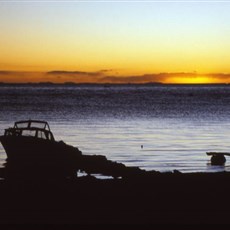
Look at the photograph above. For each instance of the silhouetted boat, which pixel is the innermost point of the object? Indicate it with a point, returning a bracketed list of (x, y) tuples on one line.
[(33, 140), (32, 150)]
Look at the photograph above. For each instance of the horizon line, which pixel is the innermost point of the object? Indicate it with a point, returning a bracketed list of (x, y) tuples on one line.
[(106, 83)]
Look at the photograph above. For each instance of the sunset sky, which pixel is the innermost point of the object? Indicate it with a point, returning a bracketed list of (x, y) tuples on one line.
[(120, 42)]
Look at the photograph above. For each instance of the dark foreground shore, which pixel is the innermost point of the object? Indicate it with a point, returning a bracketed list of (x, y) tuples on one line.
[(162, 198)]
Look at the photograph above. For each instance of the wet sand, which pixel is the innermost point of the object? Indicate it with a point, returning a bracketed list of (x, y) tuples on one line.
[(160, 198)]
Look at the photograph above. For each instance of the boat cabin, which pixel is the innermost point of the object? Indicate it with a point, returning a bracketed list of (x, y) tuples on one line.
[(31, 128)]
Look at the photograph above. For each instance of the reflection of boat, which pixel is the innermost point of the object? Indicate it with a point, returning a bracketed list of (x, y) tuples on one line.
[(32, 139)]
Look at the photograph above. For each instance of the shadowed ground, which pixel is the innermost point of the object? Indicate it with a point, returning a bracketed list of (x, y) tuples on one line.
[(47, 191), (172, 198)]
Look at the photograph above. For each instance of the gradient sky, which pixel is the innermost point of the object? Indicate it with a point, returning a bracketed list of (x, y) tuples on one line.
[(115, 39)]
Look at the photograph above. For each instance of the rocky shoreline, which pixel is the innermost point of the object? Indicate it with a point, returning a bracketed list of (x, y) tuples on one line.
[(42, 193)]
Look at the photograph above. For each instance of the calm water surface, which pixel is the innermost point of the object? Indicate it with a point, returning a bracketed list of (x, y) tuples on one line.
[(176, 125)]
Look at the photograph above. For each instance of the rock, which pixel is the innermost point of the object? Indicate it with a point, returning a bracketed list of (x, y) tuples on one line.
[(218, 159)]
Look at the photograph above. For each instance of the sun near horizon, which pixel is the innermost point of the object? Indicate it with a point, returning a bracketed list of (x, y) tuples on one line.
[(115, 42)]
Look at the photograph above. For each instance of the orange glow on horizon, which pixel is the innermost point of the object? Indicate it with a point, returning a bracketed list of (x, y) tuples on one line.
[(192, 80), (110, 76)]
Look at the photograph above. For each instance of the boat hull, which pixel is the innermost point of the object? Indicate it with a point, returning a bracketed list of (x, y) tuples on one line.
[(29, 152), (34, 148)]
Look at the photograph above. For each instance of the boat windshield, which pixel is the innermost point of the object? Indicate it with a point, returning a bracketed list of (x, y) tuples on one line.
[(31, 128), (33, 132), (32, 124)]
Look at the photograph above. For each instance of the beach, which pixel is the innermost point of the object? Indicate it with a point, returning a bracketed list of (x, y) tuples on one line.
[(163, 198)]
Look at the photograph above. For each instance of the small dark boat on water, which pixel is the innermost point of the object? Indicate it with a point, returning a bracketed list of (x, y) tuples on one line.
[(218, 158)]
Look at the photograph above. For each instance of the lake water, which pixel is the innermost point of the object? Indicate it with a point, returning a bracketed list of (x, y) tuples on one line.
[(176, 125)]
